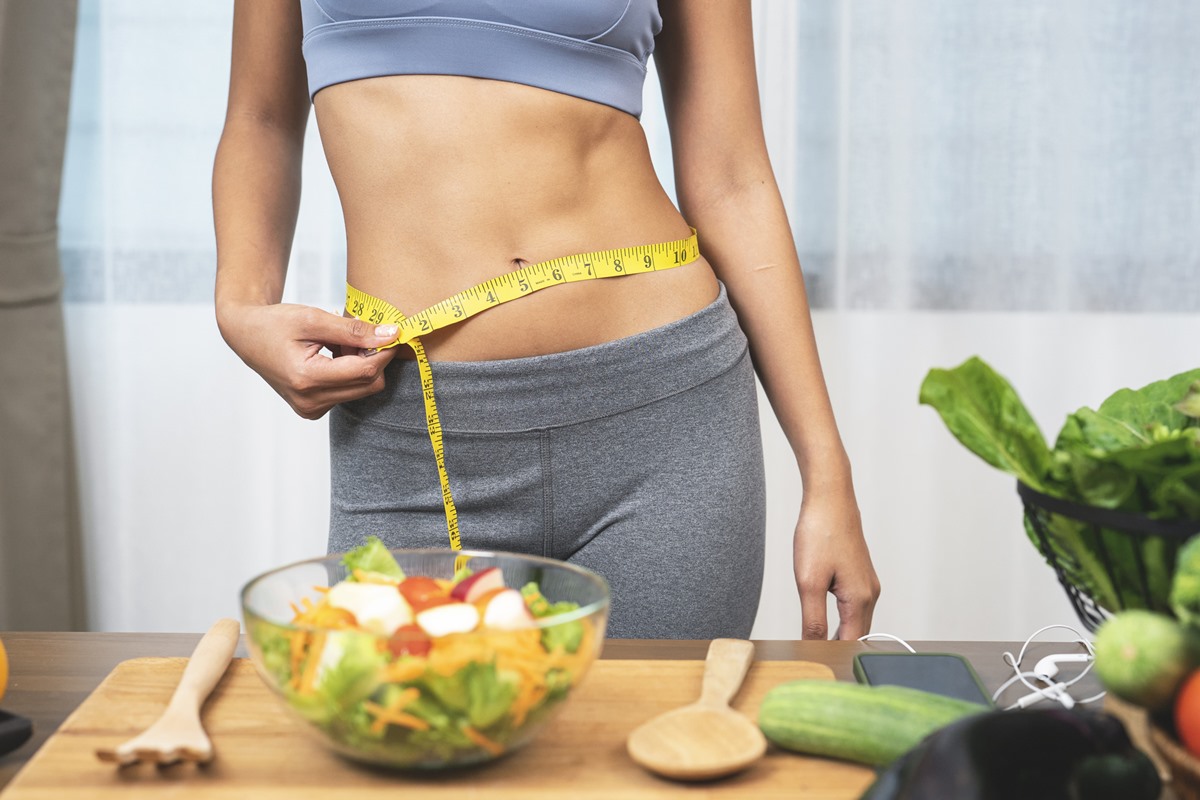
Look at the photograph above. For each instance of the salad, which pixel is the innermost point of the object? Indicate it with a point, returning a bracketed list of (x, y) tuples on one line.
[(418, 671)]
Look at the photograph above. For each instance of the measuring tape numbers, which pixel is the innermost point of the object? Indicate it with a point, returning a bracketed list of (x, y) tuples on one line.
[(503, 289)]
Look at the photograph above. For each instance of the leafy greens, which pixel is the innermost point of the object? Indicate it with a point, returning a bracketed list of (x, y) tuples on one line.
[(1138, 452)]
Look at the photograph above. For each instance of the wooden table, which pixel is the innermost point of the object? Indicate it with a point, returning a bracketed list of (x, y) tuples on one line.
[(52, 673)]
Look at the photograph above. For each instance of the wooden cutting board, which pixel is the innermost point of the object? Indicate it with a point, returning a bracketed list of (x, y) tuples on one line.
[(263, 752)]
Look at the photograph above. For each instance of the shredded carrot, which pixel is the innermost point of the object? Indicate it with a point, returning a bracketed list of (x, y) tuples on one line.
[(310, 666), (404, 670), (321, 589), (323, 615), (405, 697), (296, 643), (408, 721), (392, 715), (520, 705), (528, 640), (527, 661), (452, 653), (495, 748), (331, 617), (529, 695)]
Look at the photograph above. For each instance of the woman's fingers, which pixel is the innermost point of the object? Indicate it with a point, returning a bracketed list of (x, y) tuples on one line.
[(283, 344), (350, 333), (830, 556), (855, 611), (813, 614), (324, 382)]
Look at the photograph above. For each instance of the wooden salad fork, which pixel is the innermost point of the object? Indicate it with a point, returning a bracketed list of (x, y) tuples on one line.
[(178, 734)]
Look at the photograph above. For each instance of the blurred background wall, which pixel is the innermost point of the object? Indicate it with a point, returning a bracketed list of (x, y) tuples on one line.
[(1019, 181)]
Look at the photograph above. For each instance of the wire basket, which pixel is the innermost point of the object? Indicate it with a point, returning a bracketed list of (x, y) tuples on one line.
[(1106, 560), (1185, 767)]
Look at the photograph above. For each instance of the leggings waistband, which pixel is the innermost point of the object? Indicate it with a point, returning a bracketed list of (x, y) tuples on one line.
[(537, 392)]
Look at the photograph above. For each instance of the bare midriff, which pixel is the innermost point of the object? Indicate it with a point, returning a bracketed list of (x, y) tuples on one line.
[(448, 181)]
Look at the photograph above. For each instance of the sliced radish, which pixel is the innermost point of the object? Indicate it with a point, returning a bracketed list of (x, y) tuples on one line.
[(484, 598), (449, 618), (507, 612), (379, 608), (471, 587)]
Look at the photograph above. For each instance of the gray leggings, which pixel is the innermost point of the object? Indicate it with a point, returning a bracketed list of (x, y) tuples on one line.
[(640, 459)]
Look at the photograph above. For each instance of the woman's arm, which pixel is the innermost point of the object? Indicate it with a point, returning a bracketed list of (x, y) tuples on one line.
[(256, 195), (727, 190)]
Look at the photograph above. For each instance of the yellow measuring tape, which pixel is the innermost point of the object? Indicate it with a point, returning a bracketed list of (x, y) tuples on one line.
[(510, 286)]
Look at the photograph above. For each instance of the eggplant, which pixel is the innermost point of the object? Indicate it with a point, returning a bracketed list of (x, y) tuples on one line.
[(1031, 754), (15, 730)]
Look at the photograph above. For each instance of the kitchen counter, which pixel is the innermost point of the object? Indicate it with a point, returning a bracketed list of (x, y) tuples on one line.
[(52, 673)]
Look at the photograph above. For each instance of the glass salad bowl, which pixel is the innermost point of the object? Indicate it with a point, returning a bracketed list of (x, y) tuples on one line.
[(399, 659)]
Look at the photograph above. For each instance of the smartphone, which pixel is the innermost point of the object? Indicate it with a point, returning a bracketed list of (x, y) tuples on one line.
[(942, 673), (15, 730)]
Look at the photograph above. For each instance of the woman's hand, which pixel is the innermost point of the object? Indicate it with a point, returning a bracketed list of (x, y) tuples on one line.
[(283, 343), (830, 555)]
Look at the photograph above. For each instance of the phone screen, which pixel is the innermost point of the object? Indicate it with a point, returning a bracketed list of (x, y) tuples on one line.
[(942, 673)]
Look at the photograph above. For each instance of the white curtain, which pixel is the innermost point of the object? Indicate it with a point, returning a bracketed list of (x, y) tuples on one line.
[(1019, 181)]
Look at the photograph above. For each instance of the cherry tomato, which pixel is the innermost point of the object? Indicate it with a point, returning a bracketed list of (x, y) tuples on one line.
[(409, 640), (422, 593), (1187, 713)]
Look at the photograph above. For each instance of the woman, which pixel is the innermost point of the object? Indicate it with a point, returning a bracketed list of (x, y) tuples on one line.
[(608, 422)]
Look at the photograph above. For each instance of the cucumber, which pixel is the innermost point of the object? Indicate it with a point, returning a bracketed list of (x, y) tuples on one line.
[(1143, 657), (867, 724)]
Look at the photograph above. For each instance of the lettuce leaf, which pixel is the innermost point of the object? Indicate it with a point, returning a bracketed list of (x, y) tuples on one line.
[(1138, 452), (985, 413), (273, 642), (1154, 404), (1189, 406), (567, 635), (478, 690), (350, 670), (1153, 471), (373, 556)]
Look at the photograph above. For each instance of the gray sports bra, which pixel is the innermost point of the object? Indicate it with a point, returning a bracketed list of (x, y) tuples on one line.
[(594, 49)]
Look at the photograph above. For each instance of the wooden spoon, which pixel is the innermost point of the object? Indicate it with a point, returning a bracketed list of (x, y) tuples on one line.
[(706, 739)]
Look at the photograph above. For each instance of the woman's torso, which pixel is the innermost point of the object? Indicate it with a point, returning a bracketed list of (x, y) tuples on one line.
[(447, 181)]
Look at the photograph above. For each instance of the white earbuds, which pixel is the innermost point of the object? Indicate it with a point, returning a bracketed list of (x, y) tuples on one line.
[(1046, 671), (1057, 691), (1047, 668)]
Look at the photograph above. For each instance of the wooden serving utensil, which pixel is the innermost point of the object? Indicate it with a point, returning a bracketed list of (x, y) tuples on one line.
[(178, 734), (705, 739)]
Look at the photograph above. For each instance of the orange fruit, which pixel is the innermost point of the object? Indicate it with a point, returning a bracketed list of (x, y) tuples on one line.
[(3, 670), (1187, 713)]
